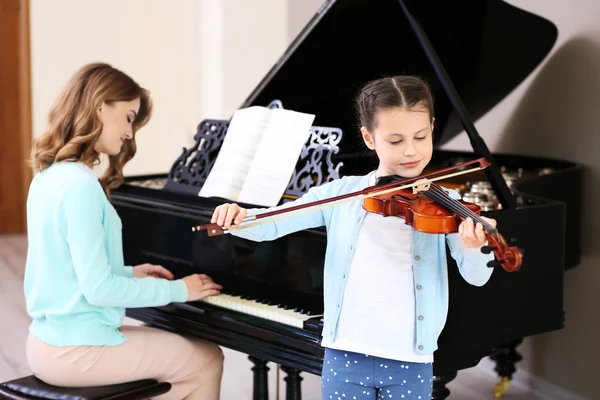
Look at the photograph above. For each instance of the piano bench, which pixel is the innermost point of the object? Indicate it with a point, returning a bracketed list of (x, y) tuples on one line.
[(31, 388)]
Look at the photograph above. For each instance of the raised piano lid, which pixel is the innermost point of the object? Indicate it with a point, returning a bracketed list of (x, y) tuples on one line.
[(487, 47)]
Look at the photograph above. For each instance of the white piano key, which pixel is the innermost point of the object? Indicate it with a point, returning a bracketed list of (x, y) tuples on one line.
[(264, 311)]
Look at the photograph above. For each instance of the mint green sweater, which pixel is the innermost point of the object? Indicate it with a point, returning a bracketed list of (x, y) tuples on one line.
[(76, 285)]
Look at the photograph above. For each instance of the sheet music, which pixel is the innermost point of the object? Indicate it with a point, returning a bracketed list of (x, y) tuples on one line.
[(243, 137), (276, 156)]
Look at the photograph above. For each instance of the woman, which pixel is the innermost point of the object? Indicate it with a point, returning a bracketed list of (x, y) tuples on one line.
[(76, 285)]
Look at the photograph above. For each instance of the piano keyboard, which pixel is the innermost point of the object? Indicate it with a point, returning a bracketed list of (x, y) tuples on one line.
[(260, 310)]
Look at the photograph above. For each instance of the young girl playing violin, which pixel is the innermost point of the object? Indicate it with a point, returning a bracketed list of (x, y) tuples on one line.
[(386, 284)]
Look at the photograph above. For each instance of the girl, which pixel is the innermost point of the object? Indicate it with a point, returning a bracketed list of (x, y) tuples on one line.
[(386, 285), (76, 286)]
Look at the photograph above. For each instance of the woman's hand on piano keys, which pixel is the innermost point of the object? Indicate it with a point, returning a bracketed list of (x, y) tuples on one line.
[(226, 214), (201, 286)]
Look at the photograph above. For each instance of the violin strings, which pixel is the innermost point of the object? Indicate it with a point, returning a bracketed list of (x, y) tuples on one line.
[(467, 213), (459, 208), (437, 194)]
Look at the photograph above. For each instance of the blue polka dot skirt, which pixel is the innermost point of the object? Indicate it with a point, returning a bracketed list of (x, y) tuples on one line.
[(353, 376)]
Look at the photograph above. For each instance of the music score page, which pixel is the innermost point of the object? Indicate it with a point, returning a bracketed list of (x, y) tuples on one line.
[(258, 155)]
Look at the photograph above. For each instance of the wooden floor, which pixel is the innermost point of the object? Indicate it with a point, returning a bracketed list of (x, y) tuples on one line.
[(472, 384)]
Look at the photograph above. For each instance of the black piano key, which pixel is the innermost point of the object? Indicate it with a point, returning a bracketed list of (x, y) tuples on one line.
[(314, 324)]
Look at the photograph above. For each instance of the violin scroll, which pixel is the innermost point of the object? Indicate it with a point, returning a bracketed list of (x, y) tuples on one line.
[(510, 258)]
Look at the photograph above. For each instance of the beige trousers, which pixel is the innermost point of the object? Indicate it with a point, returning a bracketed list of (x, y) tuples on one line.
[(193, 367)]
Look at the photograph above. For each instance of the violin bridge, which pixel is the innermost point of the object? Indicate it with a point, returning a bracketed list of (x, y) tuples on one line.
[(421, 185)]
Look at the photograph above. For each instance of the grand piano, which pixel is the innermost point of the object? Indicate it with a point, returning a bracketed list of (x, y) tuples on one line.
[(473, 53)]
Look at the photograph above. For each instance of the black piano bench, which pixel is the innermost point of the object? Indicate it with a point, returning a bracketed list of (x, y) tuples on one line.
[(31, 388)]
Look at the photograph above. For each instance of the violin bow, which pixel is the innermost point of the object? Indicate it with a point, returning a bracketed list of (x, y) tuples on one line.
[(371, 191)]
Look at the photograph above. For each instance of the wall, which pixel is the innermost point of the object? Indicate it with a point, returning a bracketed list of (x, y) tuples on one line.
[(299, 14), (147, 39), (199, 58)]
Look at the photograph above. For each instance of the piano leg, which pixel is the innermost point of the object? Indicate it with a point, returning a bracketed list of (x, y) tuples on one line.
[(293, 379), (440, 391), (505, 357), (261, 383)]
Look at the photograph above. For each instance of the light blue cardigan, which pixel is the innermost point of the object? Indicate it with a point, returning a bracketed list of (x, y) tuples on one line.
[(76, 286)]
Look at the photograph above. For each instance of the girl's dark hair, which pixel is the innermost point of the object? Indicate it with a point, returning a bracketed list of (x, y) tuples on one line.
[(407, 91)]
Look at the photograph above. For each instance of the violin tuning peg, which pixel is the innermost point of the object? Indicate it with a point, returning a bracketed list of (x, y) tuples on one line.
[(494, 263), (512, 240), (522, 250), (487, 249)]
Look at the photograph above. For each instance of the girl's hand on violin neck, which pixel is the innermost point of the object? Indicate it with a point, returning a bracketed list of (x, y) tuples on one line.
[(227, 214), (472, 234)]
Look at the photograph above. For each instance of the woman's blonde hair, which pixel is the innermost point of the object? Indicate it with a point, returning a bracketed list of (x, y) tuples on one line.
[(74, 125)]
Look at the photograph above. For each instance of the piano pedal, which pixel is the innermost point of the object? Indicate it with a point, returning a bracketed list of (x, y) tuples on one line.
[(501, 387)]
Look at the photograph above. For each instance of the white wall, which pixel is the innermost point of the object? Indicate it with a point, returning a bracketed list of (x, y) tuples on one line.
[(299, 13), (199, 58), (146, 40)]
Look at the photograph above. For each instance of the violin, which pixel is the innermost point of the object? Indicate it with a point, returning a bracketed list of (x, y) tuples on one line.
[(423, 205), (428, 208)]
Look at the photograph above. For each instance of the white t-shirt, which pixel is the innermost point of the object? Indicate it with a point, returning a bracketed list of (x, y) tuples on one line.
[(378, 310)]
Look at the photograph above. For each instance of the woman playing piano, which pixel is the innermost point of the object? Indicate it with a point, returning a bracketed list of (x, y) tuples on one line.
[(76, 285), (386, 285)]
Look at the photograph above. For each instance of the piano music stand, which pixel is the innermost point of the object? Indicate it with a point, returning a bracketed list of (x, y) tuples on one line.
[(315, 166)]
